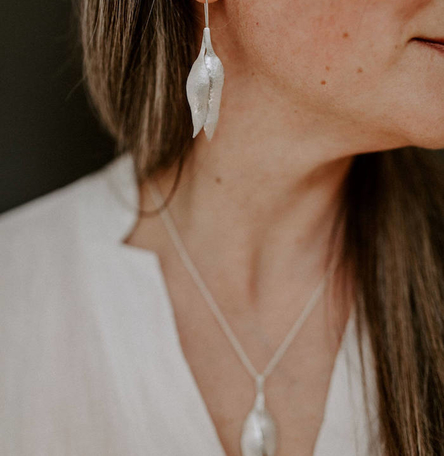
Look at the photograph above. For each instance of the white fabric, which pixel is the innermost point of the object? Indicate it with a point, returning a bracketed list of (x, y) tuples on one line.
[(90, 358)]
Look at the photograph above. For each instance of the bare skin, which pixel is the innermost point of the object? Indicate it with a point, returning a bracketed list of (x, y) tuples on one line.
[(309, 85)]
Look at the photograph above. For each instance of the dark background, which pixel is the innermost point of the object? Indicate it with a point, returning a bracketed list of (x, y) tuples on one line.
[(49, 134)]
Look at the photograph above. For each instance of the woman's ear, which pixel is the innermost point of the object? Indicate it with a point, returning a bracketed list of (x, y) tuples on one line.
[(209, 1)]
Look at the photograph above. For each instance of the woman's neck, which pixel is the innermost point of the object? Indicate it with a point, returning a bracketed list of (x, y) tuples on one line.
[(256, 205), (255, 229)]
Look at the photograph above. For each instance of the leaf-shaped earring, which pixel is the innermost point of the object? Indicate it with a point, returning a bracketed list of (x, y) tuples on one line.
[(198, 90), (204, 85)]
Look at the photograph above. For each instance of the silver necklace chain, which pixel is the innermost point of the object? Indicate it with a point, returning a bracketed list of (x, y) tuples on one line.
[(172, 230), (259, 431)]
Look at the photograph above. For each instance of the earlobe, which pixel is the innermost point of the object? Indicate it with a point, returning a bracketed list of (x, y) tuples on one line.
[(209, 1)]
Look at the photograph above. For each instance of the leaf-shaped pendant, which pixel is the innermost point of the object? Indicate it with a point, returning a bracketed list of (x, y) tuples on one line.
[(259, 430), (204, 88)]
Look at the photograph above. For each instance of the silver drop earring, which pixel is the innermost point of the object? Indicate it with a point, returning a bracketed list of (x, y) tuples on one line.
[(204, 85)]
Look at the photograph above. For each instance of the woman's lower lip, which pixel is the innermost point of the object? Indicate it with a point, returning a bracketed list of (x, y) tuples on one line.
[(438, 46)]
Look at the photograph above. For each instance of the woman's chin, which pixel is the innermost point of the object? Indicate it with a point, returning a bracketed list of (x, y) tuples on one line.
[(430, 139), (425, 133)]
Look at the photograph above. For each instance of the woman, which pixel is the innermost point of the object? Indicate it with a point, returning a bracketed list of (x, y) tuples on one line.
[(320, 167)]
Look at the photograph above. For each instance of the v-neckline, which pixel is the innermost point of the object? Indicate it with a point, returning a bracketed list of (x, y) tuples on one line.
[(185, 368), (122, 174)]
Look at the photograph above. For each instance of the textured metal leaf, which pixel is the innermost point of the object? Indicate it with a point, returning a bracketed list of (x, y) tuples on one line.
[(198, 90), (204, 88), (216, 73), (259, 431)]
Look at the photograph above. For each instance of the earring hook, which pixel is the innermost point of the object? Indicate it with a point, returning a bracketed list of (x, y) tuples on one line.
[(206, 14)]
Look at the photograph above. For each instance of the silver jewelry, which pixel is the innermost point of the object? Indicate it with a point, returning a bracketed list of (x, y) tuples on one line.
[(259, 433), (204, 85)]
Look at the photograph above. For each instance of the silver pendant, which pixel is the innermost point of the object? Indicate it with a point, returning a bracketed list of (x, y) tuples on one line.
[(259, 435), (204, 88)]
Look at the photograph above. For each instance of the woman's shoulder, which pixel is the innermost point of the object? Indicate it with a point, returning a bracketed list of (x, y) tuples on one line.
[(58, 209), (53, 227), (39, 218)]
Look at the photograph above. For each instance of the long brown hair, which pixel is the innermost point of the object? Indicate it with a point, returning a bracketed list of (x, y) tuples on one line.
[(137, 56)]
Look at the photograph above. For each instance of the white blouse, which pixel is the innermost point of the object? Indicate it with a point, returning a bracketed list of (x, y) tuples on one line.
[(90, 358)]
